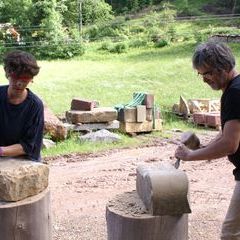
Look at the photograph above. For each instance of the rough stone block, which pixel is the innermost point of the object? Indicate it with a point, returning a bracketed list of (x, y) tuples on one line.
[(157, 113), (199, 118), (93, 126), (53, 126), (102, 114), (157, 125), (127, 115), (20, 178), (163, 189), (213, 119), (83, 105), (129, 127), (149, 114), (141, 113), (149, 100)]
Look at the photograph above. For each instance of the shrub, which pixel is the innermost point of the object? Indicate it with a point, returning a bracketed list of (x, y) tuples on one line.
[(161, 43), (138, 43), (58, 50), (137, 29), (106, 46), (119, 48)]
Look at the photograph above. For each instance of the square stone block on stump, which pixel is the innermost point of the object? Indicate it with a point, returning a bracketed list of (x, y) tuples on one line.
[(20, 179)]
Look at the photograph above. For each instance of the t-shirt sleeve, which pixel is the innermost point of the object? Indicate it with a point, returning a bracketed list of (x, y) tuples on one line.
[(33, 133), (233, 105)]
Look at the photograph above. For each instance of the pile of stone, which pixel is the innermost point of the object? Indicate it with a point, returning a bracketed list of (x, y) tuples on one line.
[(86, 115), (144, 117), (201, 111)]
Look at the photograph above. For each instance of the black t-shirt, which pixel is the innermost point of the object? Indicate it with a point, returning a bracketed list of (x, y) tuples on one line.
[(230, 110), (22, 123)]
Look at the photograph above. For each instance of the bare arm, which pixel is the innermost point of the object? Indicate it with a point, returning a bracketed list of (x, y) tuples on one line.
[(12, 150), (217, 137), (226, 144)]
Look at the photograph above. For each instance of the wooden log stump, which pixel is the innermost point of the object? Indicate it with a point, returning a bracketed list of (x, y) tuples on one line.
[(128, 219), (28, 219)]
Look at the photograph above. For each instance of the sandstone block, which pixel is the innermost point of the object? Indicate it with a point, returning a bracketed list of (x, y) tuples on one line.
[(149, 114), (83, 105), (135, 127), (149, 100), (141, 113), (53, 126), (157, 125), (20, 178), (92, 126), (199, 118), (102, 114), (127, 115), (213, 119), (157, 113), (163, 189)]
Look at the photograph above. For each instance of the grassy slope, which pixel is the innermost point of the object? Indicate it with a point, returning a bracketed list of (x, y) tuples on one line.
[(112, 79)]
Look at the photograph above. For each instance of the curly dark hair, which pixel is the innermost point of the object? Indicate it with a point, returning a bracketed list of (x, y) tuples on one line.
[(20, 63), (215, 55)]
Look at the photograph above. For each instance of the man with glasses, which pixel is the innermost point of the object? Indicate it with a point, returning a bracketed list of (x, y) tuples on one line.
[(216, 64), (21, 111)]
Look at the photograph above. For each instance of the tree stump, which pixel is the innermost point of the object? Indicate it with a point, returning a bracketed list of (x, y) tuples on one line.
[(128, 219), (28, 219)]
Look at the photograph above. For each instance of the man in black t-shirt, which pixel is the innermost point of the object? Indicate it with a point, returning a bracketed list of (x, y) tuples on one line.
[(215, 63), (21, 111)]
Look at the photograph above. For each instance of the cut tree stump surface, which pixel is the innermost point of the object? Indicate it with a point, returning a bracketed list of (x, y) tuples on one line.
[(128, 219)]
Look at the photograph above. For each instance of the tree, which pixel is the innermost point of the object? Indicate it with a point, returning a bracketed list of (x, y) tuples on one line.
[(96, 11), (133, 5), (92, 11)]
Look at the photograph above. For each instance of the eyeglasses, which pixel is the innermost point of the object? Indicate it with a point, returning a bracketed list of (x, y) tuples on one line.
[(206, 74)]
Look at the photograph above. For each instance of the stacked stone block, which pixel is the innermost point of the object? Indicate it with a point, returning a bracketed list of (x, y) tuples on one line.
[(209, 119), (86, 115), (142, 118)]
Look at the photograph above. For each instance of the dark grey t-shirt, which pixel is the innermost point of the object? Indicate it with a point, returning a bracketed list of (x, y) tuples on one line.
[(230, 110), (22, 123)]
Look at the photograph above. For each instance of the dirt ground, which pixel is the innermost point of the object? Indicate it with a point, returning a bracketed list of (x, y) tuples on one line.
[(81, 186)]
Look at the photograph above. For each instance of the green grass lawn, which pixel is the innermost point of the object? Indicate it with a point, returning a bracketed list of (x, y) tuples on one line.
[(112, 78)]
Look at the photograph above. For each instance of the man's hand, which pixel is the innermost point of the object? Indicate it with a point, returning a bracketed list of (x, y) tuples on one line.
[(183, 153)]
